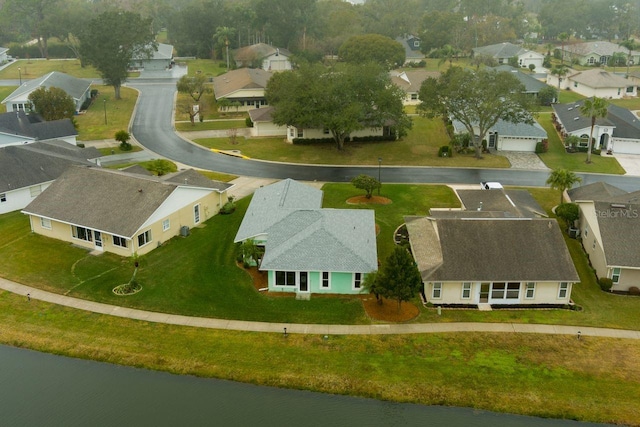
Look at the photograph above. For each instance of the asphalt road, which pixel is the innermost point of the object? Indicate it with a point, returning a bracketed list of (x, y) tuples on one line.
[(153, 128)]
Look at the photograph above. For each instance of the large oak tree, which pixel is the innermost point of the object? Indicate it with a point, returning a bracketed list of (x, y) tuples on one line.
[(477, 99), (372, 48), (112, 40), (343, 99)]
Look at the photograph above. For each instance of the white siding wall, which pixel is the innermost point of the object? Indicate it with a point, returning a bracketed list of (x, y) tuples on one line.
[(268, 129), (20, 198)]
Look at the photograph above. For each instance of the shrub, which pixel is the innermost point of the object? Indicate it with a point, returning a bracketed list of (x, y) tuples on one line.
[(366, 183), (94, 93), (444, 151), (229, 207), (248, 122), (634, 290), (569, 212), (542, 146), (605, 283)]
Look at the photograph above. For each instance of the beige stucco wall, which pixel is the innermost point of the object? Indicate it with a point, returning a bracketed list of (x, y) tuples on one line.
[(628, 277), (590, 233), (545, 293)]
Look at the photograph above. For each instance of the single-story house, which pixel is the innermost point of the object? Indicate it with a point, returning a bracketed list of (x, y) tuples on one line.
[(610, 232), (245, 86), (412, 50), (308, 249), (27, 170), (410, 82), (4, 55), (161, 59), (597, 52), (618, 132), (19, 127), (506, 136), (262, 55), (123, 213), (78, 89), (263, 126), (531, 84), (294, 132), (596, 82), (502, 52)]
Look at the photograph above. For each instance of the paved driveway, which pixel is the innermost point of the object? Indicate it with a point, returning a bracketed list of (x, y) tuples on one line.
[(630, 163)]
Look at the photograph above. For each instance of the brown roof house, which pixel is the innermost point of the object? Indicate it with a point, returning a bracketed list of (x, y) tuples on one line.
[(123, 213), (410, 82), (244, 86), (596, 82), (498, 251), (610, 232), (262, 55)]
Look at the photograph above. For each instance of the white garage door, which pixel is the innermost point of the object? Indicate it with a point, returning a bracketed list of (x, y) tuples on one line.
[(516, 144), (626, 146)]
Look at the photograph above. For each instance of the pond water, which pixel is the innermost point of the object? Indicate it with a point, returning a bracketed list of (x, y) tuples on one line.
[(38, 389)]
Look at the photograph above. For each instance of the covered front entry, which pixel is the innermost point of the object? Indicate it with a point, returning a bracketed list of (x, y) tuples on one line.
[(97, 240), (303, 285)]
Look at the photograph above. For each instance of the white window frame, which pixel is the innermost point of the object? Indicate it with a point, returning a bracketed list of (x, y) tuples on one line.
[(196, 214), (466, 289), (45, 223), (436, 290), (357, 281), (615, 277), (146, 237), (166, 224), (324, 280), (563, 290), (118, 241), (3, 197), (87, 232), (530, 290)]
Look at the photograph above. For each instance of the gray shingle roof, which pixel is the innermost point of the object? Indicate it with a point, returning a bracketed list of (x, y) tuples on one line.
[(33, 126), (500, 50), (30, 164), (264, 114), (598, 47), (191, 178), (111, 201), (73, 86), (570, 117), (600, 191), (600, 79), (341, 240), (257, 51), (531, 84), (493, 250), (620, 230), (272, 203), (505, 128)]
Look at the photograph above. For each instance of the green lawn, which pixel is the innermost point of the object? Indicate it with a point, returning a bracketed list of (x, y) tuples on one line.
[(211, 125), (117, 150), (91, 125), (418, 148), (557, 157), (34, 68), (4, 92)]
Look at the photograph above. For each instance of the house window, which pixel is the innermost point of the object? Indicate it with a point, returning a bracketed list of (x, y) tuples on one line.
[(466, 290), (45, 223), (414, 96), (513, 290), (300, 133), (357, 280), (196, 214), (436, 290), (416, 43), (3, 197), (326, 284), (575, 84), (166, 224), (291, 132), (35, 190), (497, 290), (629, 89), (82, 233), (285, 278), (563, 290), (119, 241), (615, 275), (591, 60), (586, 231), (594, 244), (530, 291), (325, 131), (144, 238)]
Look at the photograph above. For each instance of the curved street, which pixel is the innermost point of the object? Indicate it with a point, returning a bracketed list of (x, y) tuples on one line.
[(153, 128)]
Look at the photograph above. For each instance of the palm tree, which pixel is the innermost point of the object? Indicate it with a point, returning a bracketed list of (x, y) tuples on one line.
[(221, 37), (563, 37), (560, 71), (562, 179), (631, 45), (447, 53), (616, 59), (595, 108)]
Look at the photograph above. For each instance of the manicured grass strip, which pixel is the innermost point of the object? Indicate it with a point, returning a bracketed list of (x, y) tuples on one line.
[(91, 125), (539, 375), (211, 125), (557, 157), (34, 68), (418, 148), (107, 151)]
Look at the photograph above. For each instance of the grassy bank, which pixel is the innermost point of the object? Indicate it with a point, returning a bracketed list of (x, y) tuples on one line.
[(106, 115), (539, 375)]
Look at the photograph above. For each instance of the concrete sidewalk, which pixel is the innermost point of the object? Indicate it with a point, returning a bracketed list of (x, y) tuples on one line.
[(297, 328)]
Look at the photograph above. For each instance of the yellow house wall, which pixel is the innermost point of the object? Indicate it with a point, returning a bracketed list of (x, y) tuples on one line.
[(545, 293)]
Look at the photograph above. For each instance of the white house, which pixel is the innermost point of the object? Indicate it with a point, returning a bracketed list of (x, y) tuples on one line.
[(161, 59), (78, 89), (21, 128), (410, 82), (506, 136), (598, 52), (4, 55), (502, 52), (263, 125), (244, 86), (600, 83), (264, 56)]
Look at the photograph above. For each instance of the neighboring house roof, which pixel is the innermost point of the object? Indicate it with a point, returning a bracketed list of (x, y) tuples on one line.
[(73, 86), (192, 178), (627, 123), (600, 48), (411, 80), (30, 164), (411, 51), (504, 128), (323, 240), (34, 127), (102, 199), (137, 170), (620, 230), (242, 78), (264, 114), (500, 50), (531, 84), (505, 203), (258, 51), (600, 79), (594, 191), (3, 50), (162, 52), (272, 203), (570, 117), (502, 250)]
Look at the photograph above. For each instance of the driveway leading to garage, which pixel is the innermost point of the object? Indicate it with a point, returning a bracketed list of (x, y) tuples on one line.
[(524, 160), (629, 162)]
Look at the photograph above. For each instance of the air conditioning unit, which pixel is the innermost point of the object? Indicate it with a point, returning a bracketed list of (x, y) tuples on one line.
[(574, 233), (184, 231)]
